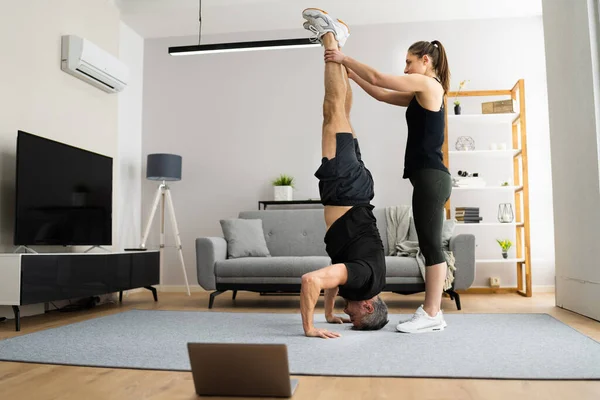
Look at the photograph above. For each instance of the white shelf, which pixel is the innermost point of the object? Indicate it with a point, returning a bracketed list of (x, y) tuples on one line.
[(512, 152), (511, 224), (499, 260), (484, 118), (515, 188)]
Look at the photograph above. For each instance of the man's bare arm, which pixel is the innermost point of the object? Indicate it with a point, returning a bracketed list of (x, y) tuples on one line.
[(330, 295), (312, 284)]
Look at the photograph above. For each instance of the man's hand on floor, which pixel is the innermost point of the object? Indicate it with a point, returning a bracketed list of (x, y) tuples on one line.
[(322, 333)]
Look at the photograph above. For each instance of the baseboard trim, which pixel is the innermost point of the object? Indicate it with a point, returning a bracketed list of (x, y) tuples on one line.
[(179, 289), (487, 290), (544, 289), (473, 289), (504, 290)]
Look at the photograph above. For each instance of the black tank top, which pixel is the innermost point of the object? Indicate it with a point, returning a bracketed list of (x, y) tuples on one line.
[(425, 139)]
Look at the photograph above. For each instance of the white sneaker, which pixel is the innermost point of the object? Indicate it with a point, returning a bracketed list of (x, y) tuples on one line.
[(421, 322), (319, 22)]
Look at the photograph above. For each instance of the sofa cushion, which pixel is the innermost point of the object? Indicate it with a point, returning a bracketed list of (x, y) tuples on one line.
[(270, 267), (299, 232), (298, 266), (245, 238), (379, 214), (402, 267)]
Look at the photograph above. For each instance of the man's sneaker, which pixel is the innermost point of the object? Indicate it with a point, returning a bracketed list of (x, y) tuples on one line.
[(421, 322), (320, 23), (317, 36)]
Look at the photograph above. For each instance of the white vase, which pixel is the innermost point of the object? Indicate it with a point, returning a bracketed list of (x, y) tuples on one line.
[(282, 193)]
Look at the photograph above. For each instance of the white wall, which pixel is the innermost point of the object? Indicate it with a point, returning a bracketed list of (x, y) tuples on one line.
[(131, 52), (240, 119), (571, 30), (594, 21), (38, 97)]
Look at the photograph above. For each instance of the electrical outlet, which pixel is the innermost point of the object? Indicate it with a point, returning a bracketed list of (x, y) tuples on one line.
[(494, 281)]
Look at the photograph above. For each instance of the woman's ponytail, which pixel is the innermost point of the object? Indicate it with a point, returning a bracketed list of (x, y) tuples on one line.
[(441, 65)]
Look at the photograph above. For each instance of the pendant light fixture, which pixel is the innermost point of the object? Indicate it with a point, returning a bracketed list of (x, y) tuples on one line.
[(238, 46)]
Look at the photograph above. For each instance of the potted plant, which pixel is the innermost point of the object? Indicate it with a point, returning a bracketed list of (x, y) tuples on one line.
[(505, 244), (283, 186), (457, 108)]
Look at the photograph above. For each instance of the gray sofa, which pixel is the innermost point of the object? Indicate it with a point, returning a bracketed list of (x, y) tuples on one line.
[(294, 238)]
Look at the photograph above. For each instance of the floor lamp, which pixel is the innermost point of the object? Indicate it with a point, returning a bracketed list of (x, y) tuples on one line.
[(164, 167)]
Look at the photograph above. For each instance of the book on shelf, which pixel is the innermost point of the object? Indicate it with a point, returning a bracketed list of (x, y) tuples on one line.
[(467, 213), (469, 220)]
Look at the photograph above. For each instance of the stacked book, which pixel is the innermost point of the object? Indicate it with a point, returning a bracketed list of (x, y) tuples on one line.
[(467, 215)]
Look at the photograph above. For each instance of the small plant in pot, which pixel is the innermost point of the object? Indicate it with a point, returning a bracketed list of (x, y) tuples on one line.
[(457, 109), (282, 187), (505, 244)]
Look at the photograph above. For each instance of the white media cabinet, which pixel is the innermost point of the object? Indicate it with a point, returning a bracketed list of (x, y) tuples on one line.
[(44, 277)]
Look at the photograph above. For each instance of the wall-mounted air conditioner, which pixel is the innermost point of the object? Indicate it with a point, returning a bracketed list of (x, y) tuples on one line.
[(88, 62)]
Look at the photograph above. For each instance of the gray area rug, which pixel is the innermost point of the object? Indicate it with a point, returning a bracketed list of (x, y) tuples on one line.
[(494, 346)]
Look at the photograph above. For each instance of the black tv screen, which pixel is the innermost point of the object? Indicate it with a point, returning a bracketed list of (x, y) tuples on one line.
[(63, 194)]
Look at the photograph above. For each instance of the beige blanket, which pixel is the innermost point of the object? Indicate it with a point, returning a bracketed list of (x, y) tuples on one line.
[(399, 219)]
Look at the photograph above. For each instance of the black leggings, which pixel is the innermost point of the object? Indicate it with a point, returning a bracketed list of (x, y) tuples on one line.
[(432, 188)]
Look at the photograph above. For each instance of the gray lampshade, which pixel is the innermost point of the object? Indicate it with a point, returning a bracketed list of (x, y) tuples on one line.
[(164, 167)]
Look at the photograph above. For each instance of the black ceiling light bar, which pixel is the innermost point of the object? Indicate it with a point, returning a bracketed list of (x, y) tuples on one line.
[(238, 46), (241, 46)]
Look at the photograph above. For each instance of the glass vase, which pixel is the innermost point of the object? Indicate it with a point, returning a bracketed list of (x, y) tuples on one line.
[(505, 213)]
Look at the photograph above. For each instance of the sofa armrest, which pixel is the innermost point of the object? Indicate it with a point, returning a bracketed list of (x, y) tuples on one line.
[(463, 248), (209, 250)]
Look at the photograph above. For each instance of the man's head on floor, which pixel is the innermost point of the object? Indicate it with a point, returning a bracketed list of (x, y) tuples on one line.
[(367, 315)]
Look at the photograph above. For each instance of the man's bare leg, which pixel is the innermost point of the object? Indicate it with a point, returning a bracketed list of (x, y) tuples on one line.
[(334, 116), (334, 111), (348, 101)]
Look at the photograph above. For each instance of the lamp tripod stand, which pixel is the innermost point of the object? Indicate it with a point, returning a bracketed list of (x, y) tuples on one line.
[(163, 196)]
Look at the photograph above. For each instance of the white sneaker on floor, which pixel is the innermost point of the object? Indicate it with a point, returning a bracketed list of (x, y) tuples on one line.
[(421, 322), (319, 22)]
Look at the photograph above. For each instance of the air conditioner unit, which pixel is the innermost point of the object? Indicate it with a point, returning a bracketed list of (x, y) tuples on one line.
[(88, 62)]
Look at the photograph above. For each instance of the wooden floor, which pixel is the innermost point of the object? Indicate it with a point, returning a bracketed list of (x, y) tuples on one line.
[(36, 381)]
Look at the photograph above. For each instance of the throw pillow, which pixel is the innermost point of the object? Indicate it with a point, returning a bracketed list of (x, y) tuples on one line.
[(447, 232), (245, 238)]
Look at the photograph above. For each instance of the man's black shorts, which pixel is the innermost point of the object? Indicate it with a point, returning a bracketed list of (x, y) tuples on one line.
[(344, 180)]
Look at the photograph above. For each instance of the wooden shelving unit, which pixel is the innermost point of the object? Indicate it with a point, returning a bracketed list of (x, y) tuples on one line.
[(520, 172)]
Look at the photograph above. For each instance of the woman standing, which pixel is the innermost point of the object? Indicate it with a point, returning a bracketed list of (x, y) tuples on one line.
[(421, 90)]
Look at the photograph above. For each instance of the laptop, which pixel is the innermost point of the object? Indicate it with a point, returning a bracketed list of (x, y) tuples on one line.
[(237, 369)]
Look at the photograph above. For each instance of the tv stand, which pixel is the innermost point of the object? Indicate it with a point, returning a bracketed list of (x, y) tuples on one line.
[(44, 277), (150, 288), (27, 249), (100, 247)]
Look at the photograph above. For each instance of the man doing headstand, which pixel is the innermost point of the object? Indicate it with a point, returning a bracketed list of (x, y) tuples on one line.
[(346, 187)]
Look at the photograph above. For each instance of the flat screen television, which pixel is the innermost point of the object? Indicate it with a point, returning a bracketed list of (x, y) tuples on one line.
[(63, 194)]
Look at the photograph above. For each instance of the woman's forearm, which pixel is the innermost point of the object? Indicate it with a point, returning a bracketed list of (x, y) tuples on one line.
[(365, 72), (374, 91)]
